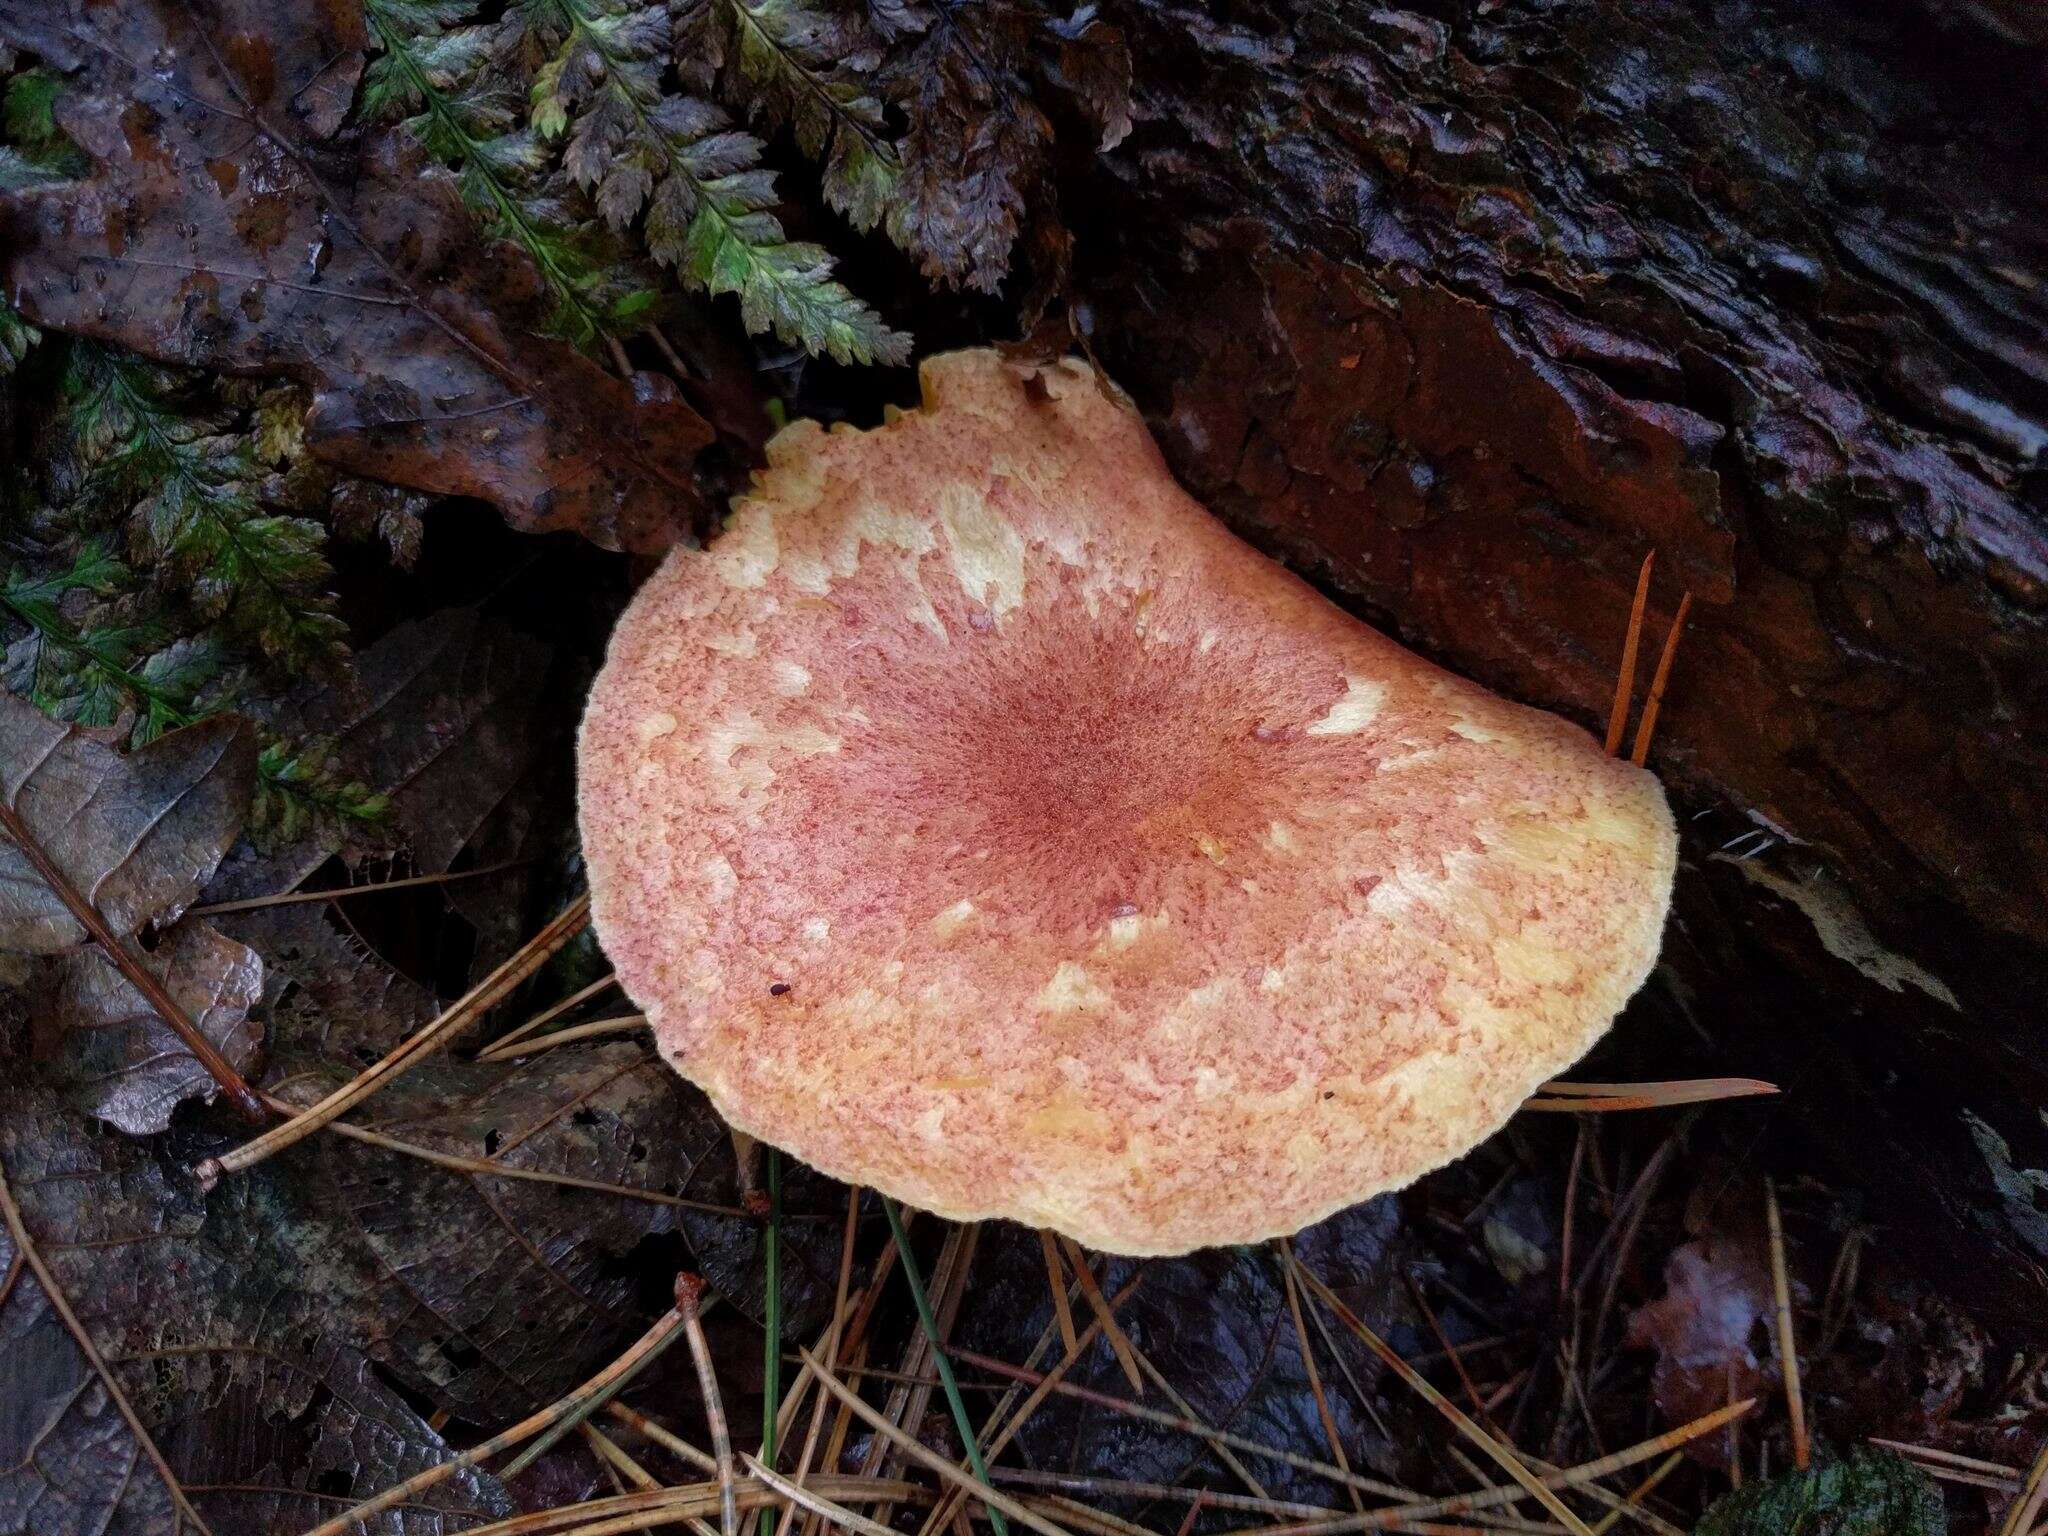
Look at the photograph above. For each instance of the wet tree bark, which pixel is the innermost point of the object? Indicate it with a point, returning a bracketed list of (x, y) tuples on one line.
[(1464, 307)]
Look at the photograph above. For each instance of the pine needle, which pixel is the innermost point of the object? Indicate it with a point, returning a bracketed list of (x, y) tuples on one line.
[(1625, 681), (2019, 1518), (338, 893), (1600, 1098), (1056, 1281), (1186, 1426), (596, 1029), (978, 1487), (771, 1324), (1111, 1329), (487, 994), (1646, 729), (689, 1298), (1315, 1376), (597, 1390), (1506, 1459), (554, 1011), (1788, 1345)]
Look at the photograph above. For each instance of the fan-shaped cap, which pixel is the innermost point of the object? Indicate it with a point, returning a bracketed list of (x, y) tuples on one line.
[(978, 819)]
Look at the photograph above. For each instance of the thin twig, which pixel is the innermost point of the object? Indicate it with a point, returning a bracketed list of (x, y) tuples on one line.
[(689, 1298), (1788, 1344), (130, 965), (25, 1252), (492, 990), (1625, 681)]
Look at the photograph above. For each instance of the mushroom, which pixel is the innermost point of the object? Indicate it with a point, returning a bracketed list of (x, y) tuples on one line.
[(980, 820)]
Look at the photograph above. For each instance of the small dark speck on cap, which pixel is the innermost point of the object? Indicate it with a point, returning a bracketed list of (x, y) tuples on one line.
[(780, 989)]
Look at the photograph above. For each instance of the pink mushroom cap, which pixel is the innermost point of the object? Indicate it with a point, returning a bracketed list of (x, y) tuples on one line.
[(980, 820)]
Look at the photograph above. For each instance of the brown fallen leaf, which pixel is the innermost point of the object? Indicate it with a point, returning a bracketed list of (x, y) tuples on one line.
[(488, 1294), (136, 835), (1717, 1293), (228, 226), (233, 1328), (103, 1044)]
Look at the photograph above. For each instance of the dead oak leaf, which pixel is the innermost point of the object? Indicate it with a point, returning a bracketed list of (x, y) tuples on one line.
[(136, 834), (218, 1318), (226, 226), (104, 1045), (487, 1293), (1717, 1294)]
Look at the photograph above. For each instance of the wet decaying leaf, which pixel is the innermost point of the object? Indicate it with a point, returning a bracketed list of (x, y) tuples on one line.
[(106, 1048), (441, 718), (137, 834), (227, 225), (223, 1323), (68, 1460), (1705, 1328), (488, 1295), (729, 1250)]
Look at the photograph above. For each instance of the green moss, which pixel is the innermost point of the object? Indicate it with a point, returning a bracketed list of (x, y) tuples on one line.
[(1867, 1493)]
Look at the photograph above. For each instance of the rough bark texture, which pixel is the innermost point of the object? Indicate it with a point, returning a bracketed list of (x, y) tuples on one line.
[(1465, 307)]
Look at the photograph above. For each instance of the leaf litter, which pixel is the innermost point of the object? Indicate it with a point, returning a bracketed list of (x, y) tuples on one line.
[(481, 1237)]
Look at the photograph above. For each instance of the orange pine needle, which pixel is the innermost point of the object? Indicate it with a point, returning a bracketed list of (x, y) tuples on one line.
[(1648, 728), (1788, 1345), (1110, 1328), (1625, 684), (1056, 1279), (1595, 1098)]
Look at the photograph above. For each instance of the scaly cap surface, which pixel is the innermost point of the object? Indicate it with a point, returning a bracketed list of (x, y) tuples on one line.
[(980, 820)]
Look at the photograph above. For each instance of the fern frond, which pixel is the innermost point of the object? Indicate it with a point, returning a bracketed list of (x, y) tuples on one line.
[(679, 161), (299, 786), (196, 515), (801, 65), (435, 73)]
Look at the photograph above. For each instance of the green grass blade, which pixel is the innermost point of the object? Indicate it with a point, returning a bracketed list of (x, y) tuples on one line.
[(945, 1366)]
